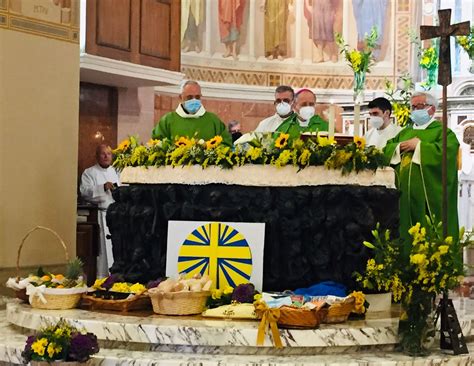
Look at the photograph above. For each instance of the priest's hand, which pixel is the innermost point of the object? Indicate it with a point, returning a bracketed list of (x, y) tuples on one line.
[(409, 145), (108, 186)]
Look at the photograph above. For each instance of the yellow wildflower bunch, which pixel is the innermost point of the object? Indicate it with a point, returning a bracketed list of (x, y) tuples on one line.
[(355, 58)]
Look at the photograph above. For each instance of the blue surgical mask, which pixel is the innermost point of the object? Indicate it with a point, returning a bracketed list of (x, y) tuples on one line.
[(192, 105), (420, 117)]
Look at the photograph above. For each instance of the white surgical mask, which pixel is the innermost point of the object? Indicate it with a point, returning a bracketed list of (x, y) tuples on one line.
[(283, 109), (376, 121), (306, 112)]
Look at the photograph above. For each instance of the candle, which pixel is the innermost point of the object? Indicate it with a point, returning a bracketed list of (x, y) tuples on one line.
[(357, 119), (332, 121)]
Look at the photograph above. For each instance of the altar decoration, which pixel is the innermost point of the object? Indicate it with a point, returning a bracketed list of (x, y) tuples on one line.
[(61, 344), (400, 98), (359, 60), (182, 296), (467, 44), (45, 290), (428, 60), (110, 293), (265, 149), (433, 265)]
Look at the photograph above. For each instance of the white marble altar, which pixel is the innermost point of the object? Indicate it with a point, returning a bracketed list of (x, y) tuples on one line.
[(158, 340)]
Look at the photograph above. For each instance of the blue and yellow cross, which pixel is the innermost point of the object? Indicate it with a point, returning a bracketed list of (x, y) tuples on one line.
[(218, 250)]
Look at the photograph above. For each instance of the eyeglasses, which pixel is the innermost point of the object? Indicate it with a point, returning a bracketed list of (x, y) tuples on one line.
[(286, 100), (420, 106)]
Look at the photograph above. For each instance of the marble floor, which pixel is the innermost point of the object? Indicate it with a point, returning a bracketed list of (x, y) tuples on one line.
[(154, 340)]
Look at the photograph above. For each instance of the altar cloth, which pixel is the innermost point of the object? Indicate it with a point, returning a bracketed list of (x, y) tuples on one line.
[(257, 176)]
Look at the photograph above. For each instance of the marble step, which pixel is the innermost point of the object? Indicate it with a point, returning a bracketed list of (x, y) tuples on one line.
[(12, 341)]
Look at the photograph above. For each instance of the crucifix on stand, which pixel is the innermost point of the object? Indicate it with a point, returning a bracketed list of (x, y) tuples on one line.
[(451, 334)]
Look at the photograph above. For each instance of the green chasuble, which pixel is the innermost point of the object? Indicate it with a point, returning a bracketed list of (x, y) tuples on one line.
[(172, 125), (292, 127), (420, 184)]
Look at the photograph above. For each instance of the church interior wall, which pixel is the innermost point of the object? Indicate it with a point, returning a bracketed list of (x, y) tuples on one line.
[(38, 153)]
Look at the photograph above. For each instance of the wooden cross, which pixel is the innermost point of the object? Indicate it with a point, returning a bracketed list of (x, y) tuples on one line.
[(445, 30)]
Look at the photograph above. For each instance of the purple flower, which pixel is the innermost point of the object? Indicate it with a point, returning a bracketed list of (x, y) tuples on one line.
[(82, 347), (244, 293), (154, 283), (109, 282), (27, 352)]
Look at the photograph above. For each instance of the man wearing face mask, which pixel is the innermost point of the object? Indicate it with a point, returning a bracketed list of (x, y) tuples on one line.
[(304, 118), (416, 155), (381, 128), (284, 96), (190, 119)]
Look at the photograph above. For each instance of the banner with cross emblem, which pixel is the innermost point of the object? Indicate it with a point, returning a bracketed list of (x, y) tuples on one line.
[(229, 253)]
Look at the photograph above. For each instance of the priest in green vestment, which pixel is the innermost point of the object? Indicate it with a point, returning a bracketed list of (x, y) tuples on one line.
[(416, 155), (190, 119), (304, 118)]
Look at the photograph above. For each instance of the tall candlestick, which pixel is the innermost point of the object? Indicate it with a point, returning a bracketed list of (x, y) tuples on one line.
[(357, 119), (332, 122)]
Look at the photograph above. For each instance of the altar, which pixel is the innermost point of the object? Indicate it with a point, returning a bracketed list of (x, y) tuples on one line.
[(315, 219)]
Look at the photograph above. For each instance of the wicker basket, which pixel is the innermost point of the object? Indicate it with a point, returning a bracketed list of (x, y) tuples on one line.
[(137, 302), (54, 300), (339, 312), (291, 317), (178, 303)]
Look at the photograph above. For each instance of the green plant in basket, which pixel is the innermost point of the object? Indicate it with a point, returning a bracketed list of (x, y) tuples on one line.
[(60, 341), (72, 277)]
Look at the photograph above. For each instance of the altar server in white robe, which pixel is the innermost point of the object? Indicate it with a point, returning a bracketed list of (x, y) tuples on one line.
[(97, 184), (381, 129)]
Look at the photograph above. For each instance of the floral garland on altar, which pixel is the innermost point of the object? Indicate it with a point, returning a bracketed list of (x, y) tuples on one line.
[(266, 149)]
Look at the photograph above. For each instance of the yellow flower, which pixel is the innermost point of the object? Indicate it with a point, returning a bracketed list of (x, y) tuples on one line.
[(282, 140), (214, 142), (120, 287), (254, 153), (325, 141), (123, 146), (443, 249), (183, 141), (98, 283), (137, 287), (414, 229), (355, 59), (417, 258), (53, 348), (216, 294), (448, 240), (304, 157), (39, 346), (359, 141), (152, 142), (257, 297), (228, 290)]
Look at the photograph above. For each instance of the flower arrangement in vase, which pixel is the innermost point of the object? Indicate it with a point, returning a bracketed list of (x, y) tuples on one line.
[(60, 343), (359, 60), (428, 61), (400, 98), (467, 44), (416, 272)]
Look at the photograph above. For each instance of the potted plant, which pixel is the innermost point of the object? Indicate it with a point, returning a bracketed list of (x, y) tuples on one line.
[(60, 344), (382, 277)]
